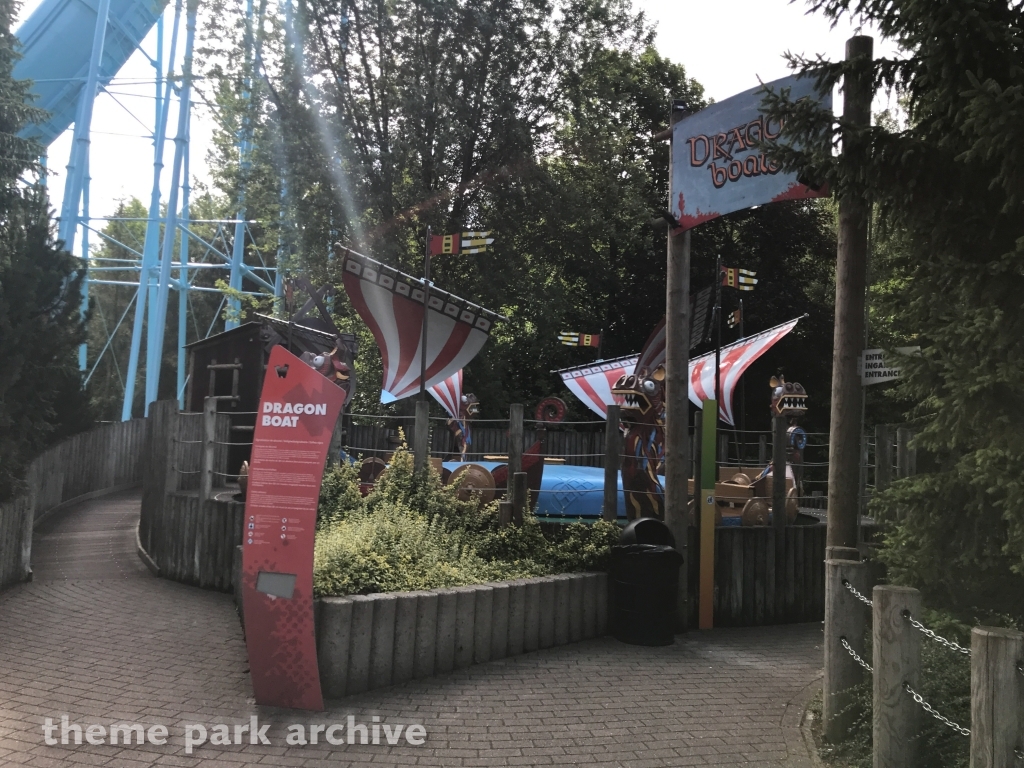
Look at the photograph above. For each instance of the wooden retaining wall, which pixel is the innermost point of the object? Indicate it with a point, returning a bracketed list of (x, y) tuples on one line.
[(200, 540), (106, 458)]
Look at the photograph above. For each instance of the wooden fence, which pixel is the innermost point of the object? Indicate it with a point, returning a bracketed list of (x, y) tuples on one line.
[(106, 458), (751, 588)]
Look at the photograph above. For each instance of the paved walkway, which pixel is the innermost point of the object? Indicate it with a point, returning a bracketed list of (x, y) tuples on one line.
[(97, 638)]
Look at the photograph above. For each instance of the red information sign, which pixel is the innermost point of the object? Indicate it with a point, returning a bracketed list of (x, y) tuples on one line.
[(297, 411)]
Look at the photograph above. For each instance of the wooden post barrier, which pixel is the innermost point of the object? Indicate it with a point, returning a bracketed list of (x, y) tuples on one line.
[(897, 663), (515, 442), (846, 618), (997, 698), (421, 436), (504, 513), (612, 464), (520, 497), (209, 449), (779, 438)]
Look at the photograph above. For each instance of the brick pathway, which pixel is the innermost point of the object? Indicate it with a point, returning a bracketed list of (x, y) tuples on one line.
[(97, 638)]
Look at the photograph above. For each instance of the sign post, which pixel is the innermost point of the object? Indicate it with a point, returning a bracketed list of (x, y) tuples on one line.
[(297, 412)]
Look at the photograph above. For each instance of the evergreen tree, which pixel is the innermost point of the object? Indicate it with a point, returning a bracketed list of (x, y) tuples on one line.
[(949, 191), (41, 399)]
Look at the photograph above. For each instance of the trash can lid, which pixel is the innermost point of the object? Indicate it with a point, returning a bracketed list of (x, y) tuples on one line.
[(647, 530)]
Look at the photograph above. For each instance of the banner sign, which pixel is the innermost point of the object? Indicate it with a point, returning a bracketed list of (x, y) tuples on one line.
[(297, 412), (716, 166), (879, 365)]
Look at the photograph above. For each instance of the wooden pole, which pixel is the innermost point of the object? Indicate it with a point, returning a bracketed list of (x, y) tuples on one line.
[(851, 283), (845, 618), (612, 464), (997, 698), (779, 437), (709, 438), (762, 450), (520, 497), (515, 442), (897, 661), (421, 435), (677, 406), (883, 457), (209, 448)]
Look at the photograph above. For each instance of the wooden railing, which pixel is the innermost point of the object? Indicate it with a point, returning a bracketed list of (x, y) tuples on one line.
[(104, 459)]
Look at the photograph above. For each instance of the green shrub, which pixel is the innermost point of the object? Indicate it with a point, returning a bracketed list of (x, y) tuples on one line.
[(412, 532)]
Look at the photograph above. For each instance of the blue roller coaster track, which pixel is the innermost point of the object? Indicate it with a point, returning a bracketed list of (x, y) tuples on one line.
[(71, 50)]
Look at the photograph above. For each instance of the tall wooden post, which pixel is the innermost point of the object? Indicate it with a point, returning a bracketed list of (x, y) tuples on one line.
[(897, 661), (779, 437), (515, 442), (851, 283), (612, 464), (209, 448), (997, 698), (520, 497), (706, 505), (845, 618), (421, 435)]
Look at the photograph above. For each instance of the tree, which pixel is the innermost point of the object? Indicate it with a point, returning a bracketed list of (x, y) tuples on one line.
[(40, 283), (948, 187)]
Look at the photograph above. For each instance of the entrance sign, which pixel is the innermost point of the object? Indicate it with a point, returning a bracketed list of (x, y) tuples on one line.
[(297, 412), (879, 365), (716, 166)]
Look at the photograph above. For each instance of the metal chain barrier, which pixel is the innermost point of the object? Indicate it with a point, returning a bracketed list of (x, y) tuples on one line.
[(856, 658), (857, 594), (937, 638), (934, 713)]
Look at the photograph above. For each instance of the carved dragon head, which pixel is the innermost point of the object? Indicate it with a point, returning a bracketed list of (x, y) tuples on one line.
[(469, 406), (643, 395), (788, 398)]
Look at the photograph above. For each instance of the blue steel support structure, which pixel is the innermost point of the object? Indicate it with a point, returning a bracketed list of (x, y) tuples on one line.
[(67, 70)]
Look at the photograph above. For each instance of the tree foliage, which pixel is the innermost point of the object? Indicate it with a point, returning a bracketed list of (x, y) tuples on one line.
[(533, 118), (948, 189), (40, 326)]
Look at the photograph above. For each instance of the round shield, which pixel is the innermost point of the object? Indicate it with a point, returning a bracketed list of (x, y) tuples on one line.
[(755, 512), (371, 469), (478, 482)]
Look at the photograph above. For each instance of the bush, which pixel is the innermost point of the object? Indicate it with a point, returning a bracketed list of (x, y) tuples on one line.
[(412, 532)]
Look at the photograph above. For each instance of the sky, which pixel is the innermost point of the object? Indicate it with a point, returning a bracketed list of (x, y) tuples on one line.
[(690, 32)]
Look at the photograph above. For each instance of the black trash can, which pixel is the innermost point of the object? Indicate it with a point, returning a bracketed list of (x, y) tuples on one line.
[(644, 578)]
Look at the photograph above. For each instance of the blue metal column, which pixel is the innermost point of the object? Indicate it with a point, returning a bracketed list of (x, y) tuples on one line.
[(149, 250), (83, 348), (244, 147), (186, 191), (83, 119), (159, 319)]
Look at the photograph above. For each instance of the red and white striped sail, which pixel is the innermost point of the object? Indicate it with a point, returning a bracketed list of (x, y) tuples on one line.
[(735, 359), (449, 393), (391, 304), (592, 383)]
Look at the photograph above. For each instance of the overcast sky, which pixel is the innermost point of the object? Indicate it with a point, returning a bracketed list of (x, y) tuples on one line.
[(726, 45)]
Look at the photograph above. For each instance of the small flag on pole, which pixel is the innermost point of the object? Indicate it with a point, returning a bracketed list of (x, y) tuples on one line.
[(570, 339), (476, 242), (734, 318), (460, 242), (741, 279)]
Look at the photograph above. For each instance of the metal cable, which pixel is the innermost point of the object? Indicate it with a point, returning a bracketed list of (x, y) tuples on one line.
[(933, 712)]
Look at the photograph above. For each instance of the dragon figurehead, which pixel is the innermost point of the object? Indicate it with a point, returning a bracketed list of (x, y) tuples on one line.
[(789, 399), (337, 365), (641, 396), (469, 407)]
